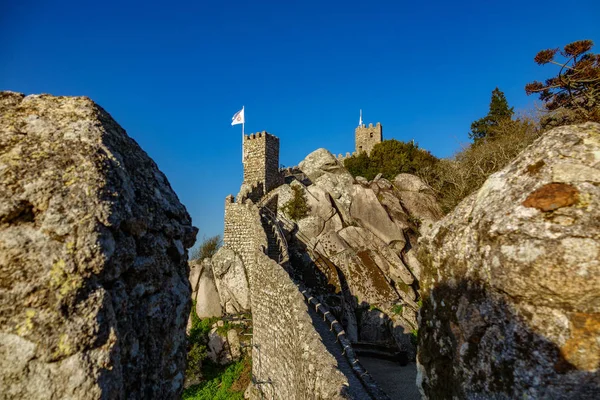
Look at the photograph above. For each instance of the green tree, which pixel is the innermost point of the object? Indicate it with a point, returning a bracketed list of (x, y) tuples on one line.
[(359, 165), (499, 111), (576, 88), (390, 158), (207, 248)]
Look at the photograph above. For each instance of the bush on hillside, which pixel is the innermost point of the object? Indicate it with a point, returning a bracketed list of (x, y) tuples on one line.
[(207, 248), (390, 158), (358, 165), (456, 178), (297, 208)]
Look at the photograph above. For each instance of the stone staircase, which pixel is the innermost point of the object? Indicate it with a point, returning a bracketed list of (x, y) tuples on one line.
[(366, 387)]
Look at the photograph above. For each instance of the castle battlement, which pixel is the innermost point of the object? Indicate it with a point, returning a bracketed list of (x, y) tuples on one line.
[(261, 163), (368, 136), (261, 135)]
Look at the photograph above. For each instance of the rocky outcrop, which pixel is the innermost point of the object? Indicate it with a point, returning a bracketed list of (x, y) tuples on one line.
[(223, 345), (94, 292), (511, 306), (361, 235), (231, 281), (418, 200)]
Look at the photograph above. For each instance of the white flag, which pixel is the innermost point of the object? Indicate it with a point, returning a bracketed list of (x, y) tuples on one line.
[(238, 118)]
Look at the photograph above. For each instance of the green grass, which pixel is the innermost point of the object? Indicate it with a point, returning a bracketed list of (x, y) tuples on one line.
[(218, 382), (222, 383)]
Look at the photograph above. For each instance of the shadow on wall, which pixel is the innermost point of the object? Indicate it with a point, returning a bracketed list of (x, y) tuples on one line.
[(362, 321), (475, 344)]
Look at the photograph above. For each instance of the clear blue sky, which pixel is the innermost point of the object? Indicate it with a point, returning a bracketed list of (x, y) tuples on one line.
[(173, 73)]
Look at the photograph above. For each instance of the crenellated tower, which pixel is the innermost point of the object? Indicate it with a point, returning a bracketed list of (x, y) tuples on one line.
[(261, 161), (367, 136)]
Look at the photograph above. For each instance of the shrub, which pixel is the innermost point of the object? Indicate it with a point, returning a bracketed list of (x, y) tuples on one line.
[(297, 208), (390, 158), (456, 178), (358, 165), (207, 248)]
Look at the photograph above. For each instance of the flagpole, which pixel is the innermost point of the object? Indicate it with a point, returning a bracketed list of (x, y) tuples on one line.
[(243, 123)]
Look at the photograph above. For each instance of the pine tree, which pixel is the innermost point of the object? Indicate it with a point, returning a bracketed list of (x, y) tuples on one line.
[(499, 111)]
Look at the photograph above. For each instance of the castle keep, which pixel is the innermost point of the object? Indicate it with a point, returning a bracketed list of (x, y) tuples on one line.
[(367, 136), (261, 162)]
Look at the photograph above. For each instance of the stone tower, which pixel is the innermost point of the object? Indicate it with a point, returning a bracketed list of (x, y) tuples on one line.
[(261, 162), (367, 136)]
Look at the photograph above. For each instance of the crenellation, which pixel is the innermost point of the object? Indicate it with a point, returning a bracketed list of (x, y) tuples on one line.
[(261, 162), (366, 137)]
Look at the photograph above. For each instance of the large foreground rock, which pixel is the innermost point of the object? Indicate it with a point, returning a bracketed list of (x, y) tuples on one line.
[(94, 291), (511, 280)]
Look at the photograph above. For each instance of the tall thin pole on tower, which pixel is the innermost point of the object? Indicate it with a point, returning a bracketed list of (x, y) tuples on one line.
[(360, 120)]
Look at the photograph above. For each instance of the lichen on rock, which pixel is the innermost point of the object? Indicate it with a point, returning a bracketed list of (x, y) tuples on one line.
[(94, 291), (510, 278)]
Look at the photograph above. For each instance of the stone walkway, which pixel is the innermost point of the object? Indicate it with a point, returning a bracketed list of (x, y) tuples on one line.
[(357, 390), (397, 381)]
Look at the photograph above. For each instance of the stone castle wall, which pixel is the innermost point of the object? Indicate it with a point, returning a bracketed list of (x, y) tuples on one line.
[(261, 161), (243, 231), (289, 359), (368, 136)]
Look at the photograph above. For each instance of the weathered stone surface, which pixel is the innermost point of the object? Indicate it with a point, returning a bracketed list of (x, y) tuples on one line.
[(367, 209), (208, 302), (391, 203), (411, 183), (327, 173), (374, 327), (331, 244), (232, 284), (510, 283), (418, 200), (387, 260), (401, 331), (195, 271), (94, 290), (321, 162), (311, 225), (413, 264), (234, 344), (552, 196), (365, 278), (218, 347)]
